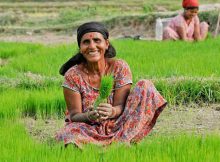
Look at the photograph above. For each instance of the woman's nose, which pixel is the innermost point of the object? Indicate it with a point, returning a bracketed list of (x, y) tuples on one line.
[(92, 44)]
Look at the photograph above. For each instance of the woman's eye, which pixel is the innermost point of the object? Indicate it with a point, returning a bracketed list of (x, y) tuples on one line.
[(86, 42), (97, 40)]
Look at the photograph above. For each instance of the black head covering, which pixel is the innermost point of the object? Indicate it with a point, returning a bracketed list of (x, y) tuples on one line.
[(91, 27)]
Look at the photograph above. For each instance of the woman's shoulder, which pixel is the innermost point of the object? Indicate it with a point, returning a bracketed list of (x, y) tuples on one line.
[(73, 71), (178, 17), (178, 20), (120, 66)]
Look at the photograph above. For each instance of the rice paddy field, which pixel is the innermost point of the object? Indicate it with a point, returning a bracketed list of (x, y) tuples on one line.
[(184, 73)]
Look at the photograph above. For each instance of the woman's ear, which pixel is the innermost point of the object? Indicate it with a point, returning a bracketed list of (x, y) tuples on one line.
[(107, 44)]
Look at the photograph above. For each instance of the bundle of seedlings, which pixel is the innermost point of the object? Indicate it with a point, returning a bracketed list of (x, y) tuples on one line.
[(105, 90)]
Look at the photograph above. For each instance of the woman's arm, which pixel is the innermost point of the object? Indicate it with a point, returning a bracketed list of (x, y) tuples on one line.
[(196, 34), (120, 98), (74, 106), (182, 33)]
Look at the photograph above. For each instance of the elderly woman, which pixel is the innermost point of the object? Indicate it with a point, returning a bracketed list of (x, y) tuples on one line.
[(126, 117), (186, 26)]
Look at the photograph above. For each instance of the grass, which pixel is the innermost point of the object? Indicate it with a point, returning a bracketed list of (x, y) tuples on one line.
[(30, 86), (9, 50), (166, 59), (158, 59), (154, 148), (35, 103)]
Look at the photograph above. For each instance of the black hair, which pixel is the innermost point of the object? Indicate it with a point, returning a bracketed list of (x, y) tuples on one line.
[(191, 8)]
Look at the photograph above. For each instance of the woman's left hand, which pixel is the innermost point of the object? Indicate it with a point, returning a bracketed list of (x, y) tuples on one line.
[(105, 111)]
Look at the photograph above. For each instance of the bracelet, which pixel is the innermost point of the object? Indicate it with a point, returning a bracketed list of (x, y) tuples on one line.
[(87, 115), (113, 115)]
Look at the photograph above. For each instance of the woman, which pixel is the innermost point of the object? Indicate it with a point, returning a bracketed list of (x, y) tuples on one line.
[(126, 117), (186, 26)]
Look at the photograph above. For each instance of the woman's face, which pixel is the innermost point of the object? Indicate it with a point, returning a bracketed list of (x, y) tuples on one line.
[(93, 46), (190, 13)]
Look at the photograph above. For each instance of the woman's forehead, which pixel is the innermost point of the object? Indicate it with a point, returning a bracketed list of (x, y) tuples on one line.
[(92, 35)]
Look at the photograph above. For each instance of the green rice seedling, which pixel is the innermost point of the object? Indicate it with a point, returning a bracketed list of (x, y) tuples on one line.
[(9, 49), (158, 59), (105, 89), (179, 91), (44, 104), (11, 102)]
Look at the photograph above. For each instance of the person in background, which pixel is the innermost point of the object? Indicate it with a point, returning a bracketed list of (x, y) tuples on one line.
[(186, 26), (126, 117)]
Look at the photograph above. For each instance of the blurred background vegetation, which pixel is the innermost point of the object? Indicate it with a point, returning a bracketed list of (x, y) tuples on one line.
[(38, 16)]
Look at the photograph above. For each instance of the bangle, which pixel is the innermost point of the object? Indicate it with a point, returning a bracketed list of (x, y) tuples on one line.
[(87, 115), (113, 115)]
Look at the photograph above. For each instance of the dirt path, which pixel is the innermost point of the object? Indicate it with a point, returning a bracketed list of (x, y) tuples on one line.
[(46, 38), (174, 120), (193, 119)]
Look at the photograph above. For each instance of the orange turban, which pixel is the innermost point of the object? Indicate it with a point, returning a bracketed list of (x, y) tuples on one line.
[(190, 3)]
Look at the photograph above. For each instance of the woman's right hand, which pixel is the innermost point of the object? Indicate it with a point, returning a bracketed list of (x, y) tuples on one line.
[(93, 115)]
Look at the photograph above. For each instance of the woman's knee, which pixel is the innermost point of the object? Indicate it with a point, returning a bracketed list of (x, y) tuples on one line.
[(144, 83), (170, 34), (204, 26)]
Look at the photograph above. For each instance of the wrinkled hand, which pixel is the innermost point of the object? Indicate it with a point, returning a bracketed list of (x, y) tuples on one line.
[(92, 114), (105, 111)]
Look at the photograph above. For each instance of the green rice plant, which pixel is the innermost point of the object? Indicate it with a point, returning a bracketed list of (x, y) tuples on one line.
[(187, 90), (11, 103), (170, 59), (44, 104), (31, 82), (105, 89), (46, 61), (13, 49), (158, 59)]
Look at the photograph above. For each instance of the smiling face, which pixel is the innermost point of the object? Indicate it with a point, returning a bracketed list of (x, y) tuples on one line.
[(93, 46), (190, 13)]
